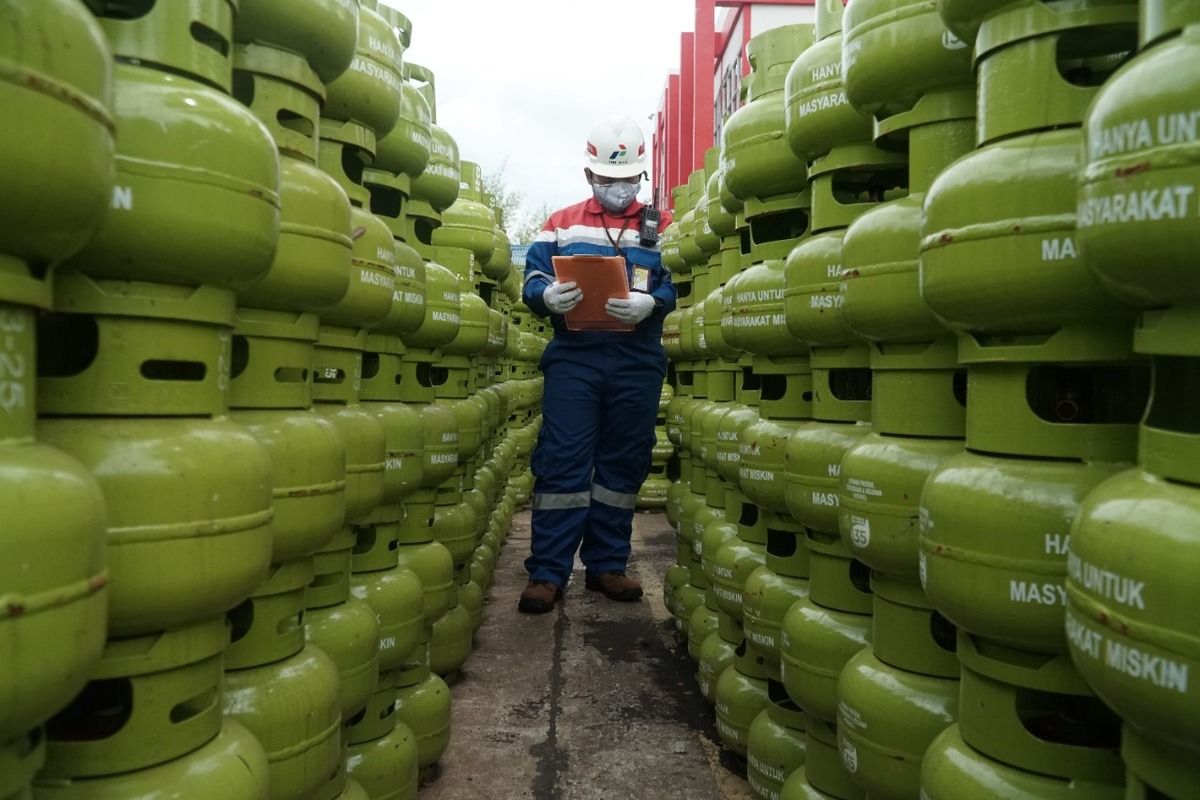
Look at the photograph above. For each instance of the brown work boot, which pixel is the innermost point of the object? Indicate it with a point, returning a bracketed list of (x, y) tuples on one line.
[(616, 585), (539, 597)]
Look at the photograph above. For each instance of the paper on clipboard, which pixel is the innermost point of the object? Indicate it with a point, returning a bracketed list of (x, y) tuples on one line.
[(599, 278)]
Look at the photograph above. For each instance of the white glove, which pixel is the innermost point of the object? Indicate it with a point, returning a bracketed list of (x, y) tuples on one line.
[(561, 297), (630, 310)]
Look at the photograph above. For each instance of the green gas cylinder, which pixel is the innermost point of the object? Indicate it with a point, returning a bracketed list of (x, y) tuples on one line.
[(884, 755), (468, 223), (54, 570), (733, 560), (209, 210), (336, 389), (953, 769), (1137, 192), (395, 594), (755, 158), (701, 624), (1039, 66), (764, 444), (423, 705), (671, 336), (1008, 589), (382, 753), (271, 395), (741, 693), (443, 310), (386, 768), (766, 598), (432, 563), (668, 247), (716, 654), (775, 744), (732, 428), (1034, 712), (896, 53), (797, 787), (688, 599), (784, 401), (193, 40), (150, 700), (963, 17), (471, 339), (814, 646), (708, 419), (311, 268), (1127, 575), (440, 452), (408, 146), (818, 117), (59, 81), (451, 640), (438, 185), (677, 576), (292, 707), (408, 302), (482, 569), (812, 471), (471, 594), (987, 280), (689, 245), (380, 394), (454, 524), (368, 298), (231, 765), (284, 691), (369, 91), (158, 350), (323, 31), (498, 265), (882, 476), (345, 627), (845, 184), (826, 766)]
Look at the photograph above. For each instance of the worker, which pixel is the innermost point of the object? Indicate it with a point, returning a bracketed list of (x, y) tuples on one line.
[(600, 399)]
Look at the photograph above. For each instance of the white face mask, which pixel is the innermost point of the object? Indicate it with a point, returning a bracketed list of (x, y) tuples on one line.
[(615, 197)]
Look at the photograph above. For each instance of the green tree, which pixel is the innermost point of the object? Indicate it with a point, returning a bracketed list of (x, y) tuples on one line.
[(521, 226), (531, 224)]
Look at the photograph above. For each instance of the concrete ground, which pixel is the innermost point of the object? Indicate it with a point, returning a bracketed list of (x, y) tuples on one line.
[(594, 700)]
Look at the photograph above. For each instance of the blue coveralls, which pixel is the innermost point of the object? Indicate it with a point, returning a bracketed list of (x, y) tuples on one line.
[(599, 403)]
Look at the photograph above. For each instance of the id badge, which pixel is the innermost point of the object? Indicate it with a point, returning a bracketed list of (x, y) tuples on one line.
[(641, 279)]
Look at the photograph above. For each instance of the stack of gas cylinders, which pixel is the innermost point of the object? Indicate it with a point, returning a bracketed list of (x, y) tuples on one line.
[(937, 514), (267, 400)]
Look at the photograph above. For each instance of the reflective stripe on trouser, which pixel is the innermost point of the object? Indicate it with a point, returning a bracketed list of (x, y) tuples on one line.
[(596, 437)]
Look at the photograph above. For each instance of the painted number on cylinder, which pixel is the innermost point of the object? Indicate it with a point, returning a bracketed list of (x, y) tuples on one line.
[(850, 757), (860, 532), (12, 364)]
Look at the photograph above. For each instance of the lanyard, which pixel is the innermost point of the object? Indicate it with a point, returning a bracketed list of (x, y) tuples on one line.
[(620, 235)]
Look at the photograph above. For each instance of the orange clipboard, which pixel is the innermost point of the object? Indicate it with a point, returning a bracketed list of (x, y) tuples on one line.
[(599, 278)]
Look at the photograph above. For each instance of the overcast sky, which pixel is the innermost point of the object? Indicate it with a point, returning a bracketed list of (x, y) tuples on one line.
[(520, 82)]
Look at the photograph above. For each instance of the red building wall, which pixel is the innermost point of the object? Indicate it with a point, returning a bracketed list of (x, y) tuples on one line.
[(705, 90)]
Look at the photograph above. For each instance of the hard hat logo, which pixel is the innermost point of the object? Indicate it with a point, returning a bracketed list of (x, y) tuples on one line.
[(616, 148)]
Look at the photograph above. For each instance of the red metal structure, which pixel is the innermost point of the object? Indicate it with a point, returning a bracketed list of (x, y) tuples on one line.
[(692, 108)]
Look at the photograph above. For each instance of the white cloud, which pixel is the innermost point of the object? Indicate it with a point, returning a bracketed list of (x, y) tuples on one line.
[(519, 83)]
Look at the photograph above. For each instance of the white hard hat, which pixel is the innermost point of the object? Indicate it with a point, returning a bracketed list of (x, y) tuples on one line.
[(616, 148)]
